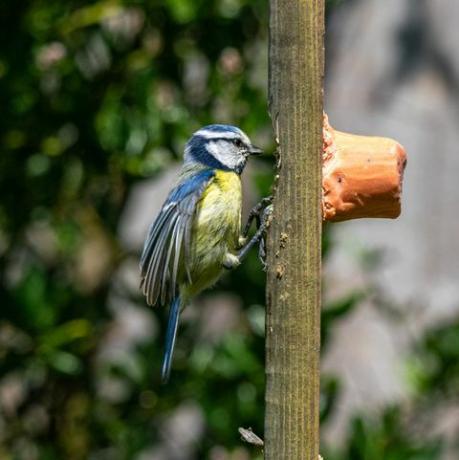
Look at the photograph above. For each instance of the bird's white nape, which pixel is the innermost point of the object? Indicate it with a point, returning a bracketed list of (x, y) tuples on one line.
[(207, 134)]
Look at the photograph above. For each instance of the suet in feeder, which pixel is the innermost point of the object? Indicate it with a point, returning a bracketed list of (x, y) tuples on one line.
[(362, 176)]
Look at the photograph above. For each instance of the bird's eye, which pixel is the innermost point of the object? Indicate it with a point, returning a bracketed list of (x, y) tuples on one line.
[(238, 143)]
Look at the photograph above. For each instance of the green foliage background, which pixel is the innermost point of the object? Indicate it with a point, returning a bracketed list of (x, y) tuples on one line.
[(96, 96)]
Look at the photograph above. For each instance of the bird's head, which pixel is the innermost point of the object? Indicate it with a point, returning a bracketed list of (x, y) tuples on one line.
[(221, 147)]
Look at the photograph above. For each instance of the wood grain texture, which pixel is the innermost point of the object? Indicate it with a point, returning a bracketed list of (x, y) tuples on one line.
[(294, 239)]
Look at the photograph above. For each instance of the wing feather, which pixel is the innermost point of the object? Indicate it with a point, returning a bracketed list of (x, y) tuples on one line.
[(167, 245), (157, 262), (166, 271), (154, 230), (178, 249)]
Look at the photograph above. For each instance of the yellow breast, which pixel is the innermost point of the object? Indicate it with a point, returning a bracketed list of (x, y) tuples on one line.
[(219, 210), (231, 195), (218, 217), (228, 181), (215, 231)]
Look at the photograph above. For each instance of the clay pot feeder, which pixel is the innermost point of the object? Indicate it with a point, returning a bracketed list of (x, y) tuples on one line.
[(362, 176)]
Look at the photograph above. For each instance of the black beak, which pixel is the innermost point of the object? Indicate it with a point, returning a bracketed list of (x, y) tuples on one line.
[(253, 150)]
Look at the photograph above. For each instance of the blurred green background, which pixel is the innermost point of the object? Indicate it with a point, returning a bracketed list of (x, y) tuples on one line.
[(97, 99)]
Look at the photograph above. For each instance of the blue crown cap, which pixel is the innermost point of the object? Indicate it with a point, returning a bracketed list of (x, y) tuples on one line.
[(221, 128)]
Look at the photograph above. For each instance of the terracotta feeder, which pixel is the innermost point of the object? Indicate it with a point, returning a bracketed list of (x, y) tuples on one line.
[(362, 176)]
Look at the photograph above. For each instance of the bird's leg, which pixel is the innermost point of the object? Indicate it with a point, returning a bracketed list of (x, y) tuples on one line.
[(231, 260), (262, 228), (262, 252), (254, 215)]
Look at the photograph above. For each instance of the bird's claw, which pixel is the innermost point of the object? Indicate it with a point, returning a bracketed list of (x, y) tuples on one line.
[(255, 212), (266, 220), (262, 213)]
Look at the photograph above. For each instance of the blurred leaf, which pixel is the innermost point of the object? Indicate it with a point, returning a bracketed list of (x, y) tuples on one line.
[(68, 332), (64, 362)]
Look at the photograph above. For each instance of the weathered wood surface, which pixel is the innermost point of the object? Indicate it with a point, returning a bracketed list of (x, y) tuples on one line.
[(294, 240)]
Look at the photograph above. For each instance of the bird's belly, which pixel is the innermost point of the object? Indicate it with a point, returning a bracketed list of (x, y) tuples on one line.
[(215, 231)]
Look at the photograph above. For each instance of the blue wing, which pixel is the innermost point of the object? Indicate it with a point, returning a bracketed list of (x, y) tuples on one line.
[(169, 239)]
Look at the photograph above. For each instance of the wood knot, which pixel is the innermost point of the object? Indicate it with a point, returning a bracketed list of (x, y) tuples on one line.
[(280, 270), (283, 239)]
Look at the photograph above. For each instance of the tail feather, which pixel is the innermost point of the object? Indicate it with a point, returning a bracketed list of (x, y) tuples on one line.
[(174, 314)]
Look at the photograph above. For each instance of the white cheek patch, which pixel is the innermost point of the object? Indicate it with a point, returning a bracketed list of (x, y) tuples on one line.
[(225, 153), (213, 148)]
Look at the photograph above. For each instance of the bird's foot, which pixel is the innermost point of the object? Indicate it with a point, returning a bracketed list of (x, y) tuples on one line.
[(255, 213), (263, 224), (266, 220), (231, 261), (242, 241)]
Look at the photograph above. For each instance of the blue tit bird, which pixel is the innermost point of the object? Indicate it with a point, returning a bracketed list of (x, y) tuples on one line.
[(197, 233)]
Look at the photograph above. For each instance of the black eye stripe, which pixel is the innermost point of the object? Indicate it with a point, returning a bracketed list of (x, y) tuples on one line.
[(236, 141)]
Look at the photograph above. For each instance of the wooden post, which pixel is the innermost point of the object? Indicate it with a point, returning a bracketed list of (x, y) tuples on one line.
[(294, 239)]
